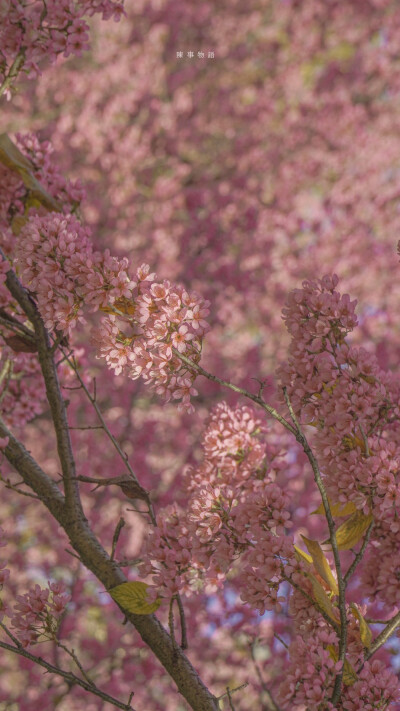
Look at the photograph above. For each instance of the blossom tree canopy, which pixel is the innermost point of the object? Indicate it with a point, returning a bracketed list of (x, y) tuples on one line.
[(199, 355)]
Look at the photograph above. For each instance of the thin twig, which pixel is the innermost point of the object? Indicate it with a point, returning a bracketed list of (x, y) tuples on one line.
[(13, 487), (233, 691), (359, 554), (274, 705), (390, 628), (255, 398), (116, 445), (171, 619), (67, 550), (53, 393), (128, 563), (71, 653), (301, 438), (119, 527), (184, 642), (365, 440), (280, 640), (231, 706), (69, 677)]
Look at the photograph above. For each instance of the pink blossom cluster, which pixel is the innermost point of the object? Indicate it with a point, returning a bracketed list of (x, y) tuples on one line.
[(159, 322), (37, 612), (380, 575), (343, 393), (235, 521), (14, 192), (147, 320), (309, 679), (70, 193), (22, 390), (57, 261), (36, 31)]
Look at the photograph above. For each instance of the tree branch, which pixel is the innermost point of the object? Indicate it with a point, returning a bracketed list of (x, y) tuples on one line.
[(301, 438), (53, 392), (68, 512), (387, 632), (69, 677), (255, 398)]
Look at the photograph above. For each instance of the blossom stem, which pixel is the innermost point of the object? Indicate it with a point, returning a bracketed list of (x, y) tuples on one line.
[(387, 632), (255, 398), (359, 554), (103, 424), (69, 677), (301, 438)]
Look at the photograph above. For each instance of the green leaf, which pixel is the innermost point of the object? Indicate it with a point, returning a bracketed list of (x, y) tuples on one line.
[(12, 157), (133, 598), (322, 599), (352, 530), (321, 564), (365, 632), (337, 509), (349, 675)]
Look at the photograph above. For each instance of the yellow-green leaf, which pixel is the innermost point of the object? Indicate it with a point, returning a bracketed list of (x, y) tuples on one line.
[(352, 530), (365, 632), (321, 564), (349, 675), (12, 157), (302, 556), (322, 598), (133, 598), (337, 509)]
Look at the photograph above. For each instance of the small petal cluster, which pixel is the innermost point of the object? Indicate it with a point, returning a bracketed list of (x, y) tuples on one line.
[(310, 678), (37, 613), (149, 324), (33, 31), (57, 261), (343, 393), (148, 331), (311, 674), (23, 393), (236, 519), (380, 575)]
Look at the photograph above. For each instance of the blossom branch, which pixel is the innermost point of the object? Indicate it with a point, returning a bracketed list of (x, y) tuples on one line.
[(301, 438), (225, 383), (390, 628), (359, 555), (314, 603), (95, 558), (53, 392), (272, 702), (93, 400), (69, 677)]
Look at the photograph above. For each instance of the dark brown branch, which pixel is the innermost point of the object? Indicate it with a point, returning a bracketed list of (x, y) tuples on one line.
[(68, 512), (53, 392)]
